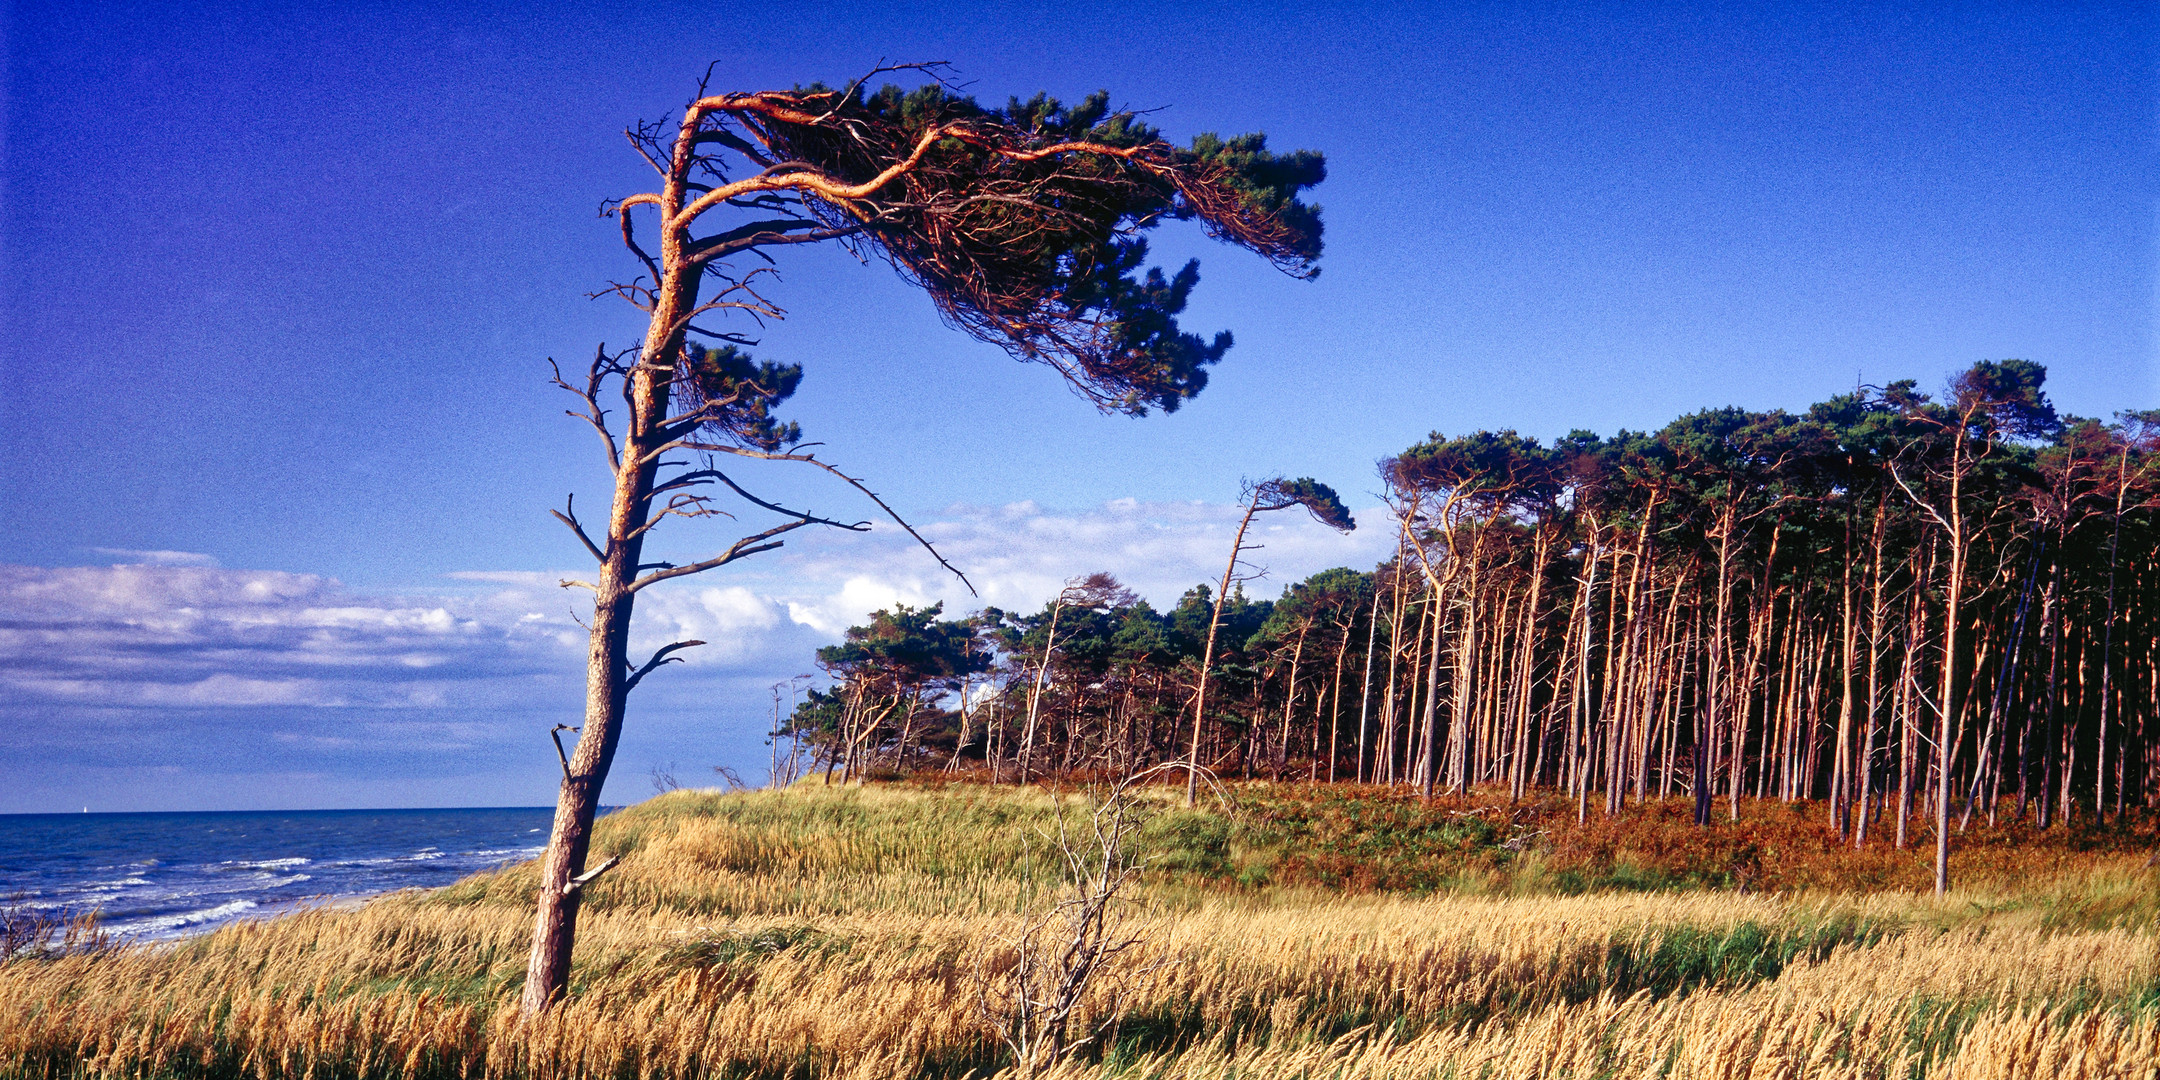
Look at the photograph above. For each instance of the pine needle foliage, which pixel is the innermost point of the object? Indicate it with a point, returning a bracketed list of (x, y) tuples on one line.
[(1025, 223)]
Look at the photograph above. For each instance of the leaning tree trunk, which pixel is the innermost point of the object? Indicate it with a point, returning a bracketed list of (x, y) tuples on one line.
[(1207, 657), (547, 972), (607, 666)]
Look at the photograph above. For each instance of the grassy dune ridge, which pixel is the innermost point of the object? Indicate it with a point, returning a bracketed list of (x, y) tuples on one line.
[(1286, 932)]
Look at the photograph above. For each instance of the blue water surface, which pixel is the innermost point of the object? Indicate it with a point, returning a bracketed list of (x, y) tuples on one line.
[(154, 876)]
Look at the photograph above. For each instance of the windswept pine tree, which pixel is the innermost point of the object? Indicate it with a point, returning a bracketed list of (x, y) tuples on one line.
[(1025, 226)]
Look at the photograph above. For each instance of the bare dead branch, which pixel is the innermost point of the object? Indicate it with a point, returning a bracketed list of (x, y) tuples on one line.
[(1923, 504), (629, 239), (810, 519), (579, 882), (740, 549), (720, 335), (720, 244), (555, 733), (717, 448), (664, 656), (593, 415), (568, 516), (637, 143), (1070, 953)]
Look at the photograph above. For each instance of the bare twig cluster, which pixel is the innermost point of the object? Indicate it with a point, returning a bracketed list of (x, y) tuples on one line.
[(1056, 985)]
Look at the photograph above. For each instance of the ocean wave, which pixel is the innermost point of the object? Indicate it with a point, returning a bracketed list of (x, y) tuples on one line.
[(272, 864), (259, 883), (164, 924), (206, 890), (168, 877), (422, 856)]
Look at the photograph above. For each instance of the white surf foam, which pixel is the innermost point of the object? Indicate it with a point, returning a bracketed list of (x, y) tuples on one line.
[(166, 924)]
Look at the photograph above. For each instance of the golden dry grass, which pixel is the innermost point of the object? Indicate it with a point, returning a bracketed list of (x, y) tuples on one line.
[(819, 933)]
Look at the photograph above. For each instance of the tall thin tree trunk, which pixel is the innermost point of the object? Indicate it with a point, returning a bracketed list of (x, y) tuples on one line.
[(1713, 718), (1282, 756), (1334, 740), (1849, 640), (1207, 655), (1948, 701), (1364, 719), (1428, 758)]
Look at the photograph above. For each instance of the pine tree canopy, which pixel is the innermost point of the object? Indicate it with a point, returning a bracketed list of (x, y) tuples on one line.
[(1024, 224)]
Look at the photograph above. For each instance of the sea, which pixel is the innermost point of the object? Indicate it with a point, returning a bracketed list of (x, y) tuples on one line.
[(160, 876)]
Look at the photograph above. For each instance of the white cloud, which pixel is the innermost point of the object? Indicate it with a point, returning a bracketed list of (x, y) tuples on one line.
[(531, 579), (856, 598), (143, 636), (157, 558), (142, 665), (736, 624), (1019, 555)]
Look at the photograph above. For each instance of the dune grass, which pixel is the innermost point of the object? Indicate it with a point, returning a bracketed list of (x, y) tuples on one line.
[(1285, 931)]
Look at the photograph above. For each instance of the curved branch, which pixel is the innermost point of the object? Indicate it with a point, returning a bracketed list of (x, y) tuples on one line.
[(658, 658), (1923, 504), (781, 226), (717, 335), (733, 142), (652, 266), (816, 182), (715, 474), (682, 506), (740, 549), (593, 414), (740, 451), (756, 240), (568, 516)]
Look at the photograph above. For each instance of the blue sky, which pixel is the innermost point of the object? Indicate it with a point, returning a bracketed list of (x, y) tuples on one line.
[(281, 282)]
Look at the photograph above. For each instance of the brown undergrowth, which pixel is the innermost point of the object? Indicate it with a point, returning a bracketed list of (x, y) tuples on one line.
[(839, 932), (1379, 839)]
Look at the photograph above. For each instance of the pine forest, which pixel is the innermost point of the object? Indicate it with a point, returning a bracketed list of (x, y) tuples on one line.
[(1908, 605)]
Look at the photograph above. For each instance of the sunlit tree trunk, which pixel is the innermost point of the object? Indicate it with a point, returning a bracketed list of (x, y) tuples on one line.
[(1364, 719)]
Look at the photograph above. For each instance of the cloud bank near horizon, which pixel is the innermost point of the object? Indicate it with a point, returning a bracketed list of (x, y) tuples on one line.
[(168, 682)]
